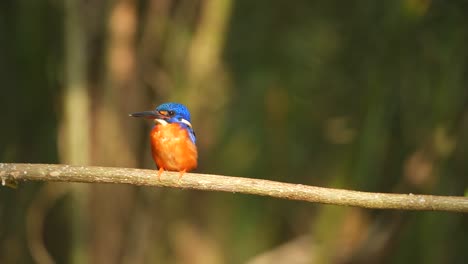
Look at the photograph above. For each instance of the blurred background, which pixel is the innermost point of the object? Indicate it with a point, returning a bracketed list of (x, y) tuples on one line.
[(365, 95)]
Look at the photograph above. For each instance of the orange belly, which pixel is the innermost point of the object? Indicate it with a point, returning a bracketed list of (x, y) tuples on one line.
[(172, 148)]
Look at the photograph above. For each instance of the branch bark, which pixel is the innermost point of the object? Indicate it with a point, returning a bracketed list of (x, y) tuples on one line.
[(207, 182)]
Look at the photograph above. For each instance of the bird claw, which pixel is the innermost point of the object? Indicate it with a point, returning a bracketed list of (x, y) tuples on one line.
[(160, 171), (181, 173)]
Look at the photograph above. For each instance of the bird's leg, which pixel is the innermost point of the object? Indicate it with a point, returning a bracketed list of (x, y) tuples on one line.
[(160, 171), (181, 173)]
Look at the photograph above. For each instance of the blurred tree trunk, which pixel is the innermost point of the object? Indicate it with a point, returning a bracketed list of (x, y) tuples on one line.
[(206, 77), (113, 140), (76, 123)]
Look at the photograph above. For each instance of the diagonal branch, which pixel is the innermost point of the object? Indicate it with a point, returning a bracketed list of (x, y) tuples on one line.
[(207, 182)]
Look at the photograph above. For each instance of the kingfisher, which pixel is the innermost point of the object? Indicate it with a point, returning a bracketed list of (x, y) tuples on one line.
[(172, 138)]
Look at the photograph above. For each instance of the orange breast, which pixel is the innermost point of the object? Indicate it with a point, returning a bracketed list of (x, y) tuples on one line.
[(172, 148)]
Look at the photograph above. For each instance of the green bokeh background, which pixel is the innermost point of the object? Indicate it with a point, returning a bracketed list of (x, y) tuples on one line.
[(364, 95)]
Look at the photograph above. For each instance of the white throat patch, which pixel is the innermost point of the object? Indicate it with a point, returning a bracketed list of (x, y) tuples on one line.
[(164, 122), (161, 121)]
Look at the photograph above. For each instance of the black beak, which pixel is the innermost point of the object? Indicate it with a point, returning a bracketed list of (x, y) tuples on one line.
[(147, 114)]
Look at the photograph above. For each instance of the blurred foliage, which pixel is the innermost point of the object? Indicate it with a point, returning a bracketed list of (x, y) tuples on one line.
[(360, 95)]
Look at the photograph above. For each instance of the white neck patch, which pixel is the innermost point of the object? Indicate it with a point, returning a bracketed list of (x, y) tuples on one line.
[(186, 122)]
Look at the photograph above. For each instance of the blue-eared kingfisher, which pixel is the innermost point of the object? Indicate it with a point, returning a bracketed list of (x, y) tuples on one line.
[(172, 138)]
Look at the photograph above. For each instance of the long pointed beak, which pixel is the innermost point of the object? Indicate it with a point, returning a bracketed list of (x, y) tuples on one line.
[(147, 114)]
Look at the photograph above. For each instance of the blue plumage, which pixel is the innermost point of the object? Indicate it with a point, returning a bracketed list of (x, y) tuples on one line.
[(177, 114), (180, 110)]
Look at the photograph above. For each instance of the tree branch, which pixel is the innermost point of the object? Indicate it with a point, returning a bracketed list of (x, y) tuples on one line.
[(207, 182)]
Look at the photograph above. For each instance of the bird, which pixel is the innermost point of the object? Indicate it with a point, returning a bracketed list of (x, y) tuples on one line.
[(172, 138)]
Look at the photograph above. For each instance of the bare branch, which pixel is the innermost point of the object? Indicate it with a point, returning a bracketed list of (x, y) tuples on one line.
[(207, 182)]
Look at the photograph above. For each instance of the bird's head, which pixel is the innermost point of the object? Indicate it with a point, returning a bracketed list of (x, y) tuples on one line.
[(169, 113)]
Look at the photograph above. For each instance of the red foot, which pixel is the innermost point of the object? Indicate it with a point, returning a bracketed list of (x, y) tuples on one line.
[(181, 173), (160, 171)]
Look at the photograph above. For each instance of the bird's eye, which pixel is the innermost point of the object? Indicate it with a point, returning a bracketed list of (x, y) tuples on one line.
[(171, 113)]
